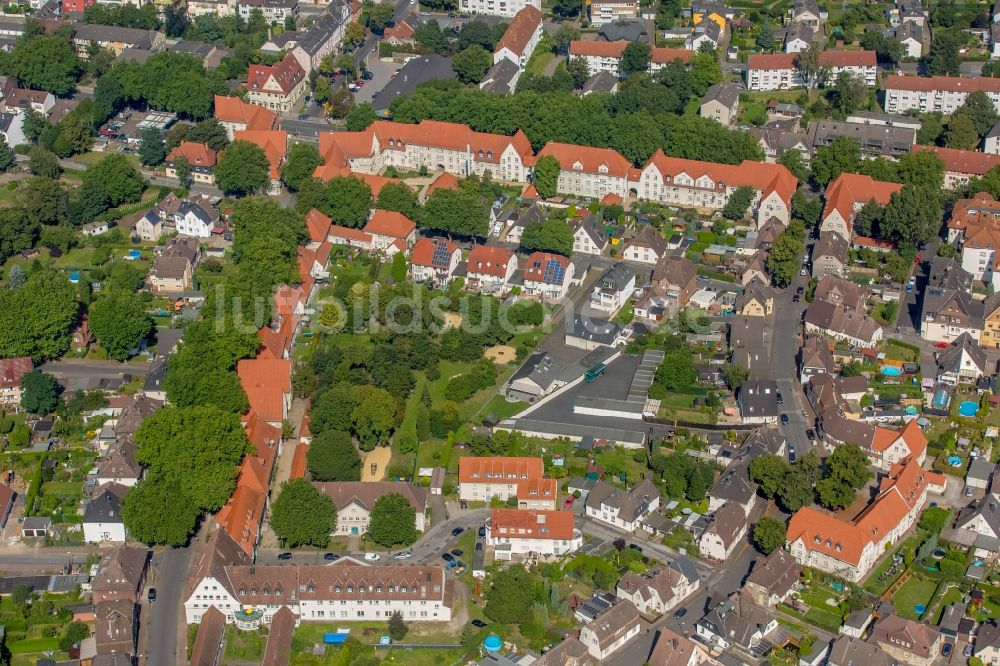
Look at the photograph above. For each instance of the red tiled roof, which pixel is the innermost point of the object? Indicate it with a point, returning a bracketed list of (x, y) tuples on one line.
[(766, 178), (583, 48), (662, 55), (538, 489), (853, 188), (274, 344), (286, 73), (847, 58), (590, 160), (318, 225), (772, 61), (401, 31), (197, 154), (874, 243), (982, 209), (274, 144), (530, 524), (444, 181), (356, 235), (390, 223), (299, 461), (424, 252), (488, 260), (534, 267), (235, 110), (266, 383), (944, 83), (486, 470), (12, 369), (521, 30), (911, 434), (970, 162)]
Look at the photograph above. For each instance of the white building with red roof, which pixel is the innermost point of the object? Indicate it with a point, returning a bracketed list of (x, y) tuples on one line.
[(521, 37), (587, 171), (489, 269), (780, 71), (518, 533), (936, 93), (278, 87), (961, 165), (547, 276), (434, 260), (391, 232), (11, 372), (482, 479), (503, 8), (236, 115), (847, 195)]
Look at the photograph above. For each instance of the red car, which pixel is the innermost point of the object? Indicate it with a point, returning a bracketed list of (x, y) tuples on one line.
[(568, 504)]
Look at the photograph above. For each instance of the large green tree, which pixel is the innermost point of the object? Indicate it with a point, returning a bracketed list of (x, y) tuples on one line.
[(455, 212), (635, 58), (841, 155), (348, 201), (303, 516), (510, 595), (303, 158), (151, 150), (155, 513), (392, 521), (739, 203), (333, 457), (785, 258), (471, 64), (400, 198), (546, 176), (552, 235), (117, 178), (36, 318), (39, 392), (120, 323), (961, 132), (45, 62), (847, 471), (209, 132), (768, 535), (243, 168)]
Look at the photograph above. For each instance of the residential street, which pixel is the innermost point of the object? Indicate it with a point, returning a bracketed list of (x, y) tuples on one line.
[(785, 340), (163, 622)]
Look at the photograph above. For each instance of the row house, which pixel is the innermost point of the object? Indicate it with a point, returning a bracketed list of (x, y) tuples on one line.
[(547, 276), (489, 269), (432, 144), (587, 171), (657, 592), (847, 195), (278, 87), (975, 227), (780, 71), (502, 8), (519, 533), (850, 549), (520, 39), (434, 260), (961, 165), (935, 93), (250, 596), (268, 386), (236, 115), (321, 38), (482, 479)]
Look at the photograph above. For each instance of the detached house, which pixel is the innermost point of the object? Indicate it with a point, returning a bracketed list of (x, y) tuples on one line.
[(173, 270), (726, 529), (758, 401), (614, 289), (236, 115), (102, 519), (200, 158), (677, 277), (774, 579), (611, 630), (489, 269), (756, 300), (948, 309), (620, 507), (911, 642), (736, 623), (434, 260), (11, 372), (548, 276), (589, 236), (964, 361), (721, 103), (658, 592), (646, 247), (519, 533), (672, 649), (278, 87)]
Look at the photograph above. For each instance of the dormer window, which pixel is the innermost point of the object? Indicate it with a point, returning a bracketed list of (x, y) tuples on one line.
[(350, 588), (489, 154), (362, 589)]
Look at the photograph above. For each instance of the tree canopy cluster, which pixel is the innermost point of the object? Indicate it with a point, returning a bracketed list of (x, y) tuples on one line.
[(192, 457), (303, 516), (785, 256), (799, 484), (168, 81), (637, 121), (683, 476), (392, 522), (37, 317)]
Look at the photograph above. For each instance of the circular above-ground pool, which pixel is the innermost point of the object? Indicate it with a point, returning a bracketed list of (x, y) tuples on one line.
[(968, 408), (954, 461), (938, 554), (911, 410), (919, 609), (492, 643), (891, 371)]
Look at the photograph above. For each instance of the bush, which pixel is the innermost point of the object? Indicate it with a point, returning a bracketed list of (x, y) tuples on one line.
[(463, 387)]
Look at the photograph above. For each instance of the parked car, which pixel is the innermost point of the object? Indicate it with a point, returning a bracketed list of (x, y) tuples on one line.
[(946, 650), (284, 556), (778, 396), (367, 75), (479, 545), (478, 623), (457, 552), (331, 557), (405, 555), (372, 557), (151, 595), (635, 547), (457, 531), (568, 504), (680, 612), (967, 651), (784, 419)]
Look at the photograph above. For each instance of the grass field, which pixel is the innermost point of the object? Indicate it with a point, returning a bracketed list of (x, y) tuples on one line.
[(914, 591)]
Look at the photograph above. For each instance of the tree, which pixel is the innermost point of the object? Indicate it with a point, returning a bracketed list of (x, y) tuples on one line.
[(7, 156), (676, 371), (211, 133), (397, 628), (913, 215), (809, 66), (768, 472), (546, 176), (376, 15), (392, 521), (931, 129), (183, 170), (768, 535), (922, 168), (156, 514), (120, 323), (459, 212), (303, 158), (552, 235), (785, 258), (243, 168), (39, 392), (152, 151), (302, 515), (935, 519), (980, 110), (765, 37), (847, 471), (471, 64), (739, 203), (734, 375), (848, 93), (289, 23), (943, 57), (354, 35), (794, 162), (400, 198), (332, 457), (796, 489), (117, 177), (75, 632), (360, 117), (579, 71), (635, 58), (36, 319), (510, 595), (566, 8), (348, 201), (43, 162), (705, 72), (961, 132), (45, 62), (841, 155), (33, 125), (566, 34)]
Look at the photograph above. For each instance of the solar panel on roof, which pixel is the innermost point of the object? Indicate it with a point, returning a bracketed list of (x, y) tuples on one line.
[(440, 257), (554, 272)]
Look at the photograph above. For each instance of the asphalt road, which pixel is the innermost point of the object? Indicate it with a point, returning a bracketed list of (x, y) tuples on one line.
[(785, 341), (166, 629), (35, 560)]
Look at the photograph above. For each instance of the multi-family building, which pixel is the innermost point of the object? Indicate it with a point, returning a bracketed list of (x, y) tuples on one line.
[(503, 8), (908, 641), (780, 71), (774, 579), (274, 143), (236, 115), (11, 372), (482, 479), (589, 236), (518, 533), (935, 93), (521, 37), (948, 308), (658, 592), (489, 269), (323, 36), (721, 103), (274, 11), (611, 630), (849, 549), (588, 171), (646, 247), (608, 11), (606, 56), (725, 530), (847, 195), (199, 157), (613, 289), (354, 501), (961, 165), (278, 87), (621, 507)]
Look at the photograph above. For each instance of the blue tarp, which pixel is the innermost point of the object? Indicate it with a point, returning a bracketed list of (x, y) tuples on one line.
[(332, 638)]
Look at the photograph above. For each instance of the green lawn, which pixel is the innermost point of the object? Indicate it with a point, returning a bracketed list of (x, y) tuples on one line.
[(246, 645), (872, 584), (499, 406), (914, 591), (32, 645), (953, 595)]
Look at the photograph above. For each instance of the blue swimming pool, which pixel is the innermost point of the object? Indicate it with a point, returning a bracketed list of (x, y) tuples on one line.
[(911, 410), (891, 371), (968, 408), (940, 400)]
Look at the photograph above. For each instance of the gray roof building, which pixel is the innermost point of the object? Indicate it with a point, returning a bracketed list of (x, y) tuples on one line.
[(726, 94), (848, 651), (758, 399), (602, 82), (412, 74), (501, 78), (631, 503), (873, 139), (600, 331)]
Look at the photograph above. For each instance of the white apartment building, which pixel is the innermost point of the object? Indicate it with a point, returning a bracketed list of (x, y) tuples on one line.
[(279, 87), (608, 11), (517, 533), (935, 93), (521, 37), (504, 8), (482, 479), (599, 56), (779, 71), (589, 172)]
